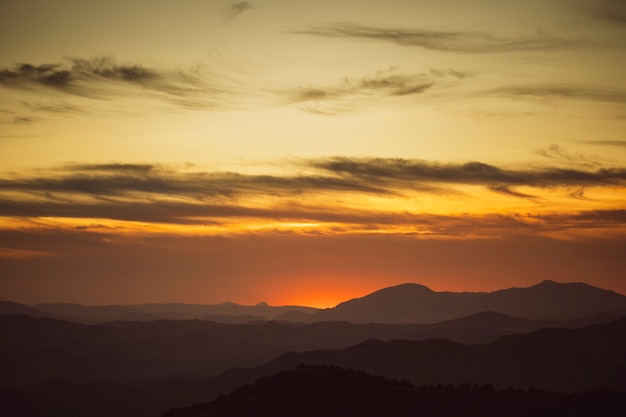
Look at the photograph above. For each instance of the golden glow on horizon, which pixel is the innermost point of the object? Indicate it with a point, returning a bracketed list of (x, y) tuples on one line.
[(353, 121)]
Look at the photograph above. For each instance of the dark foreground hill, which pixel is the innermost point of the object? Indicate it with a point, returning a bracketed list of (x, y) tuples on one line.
[(414, 303), (332, 391)]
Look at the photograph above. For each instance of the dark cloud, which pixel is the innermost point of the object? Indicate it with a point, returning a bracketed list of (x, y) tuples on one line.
[(559, 154), (115, 180), (345, 219), (65, 77), (447, 41), (103, 77), (618, 143), (609, 10), (54, 106), (506, 190), (565, 91), (407, 172), (23, 120), (352, 92), (238, 8), (155, 193)]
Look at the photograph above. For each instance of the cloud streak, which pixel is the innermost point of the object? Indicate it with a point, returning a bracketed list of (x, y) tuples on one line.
[(618, 143), (574, 92), (159, 194), (104, 78), (444, 41), (609, 10), (407, 171), (386, 176), (351, 92), (238, 8)]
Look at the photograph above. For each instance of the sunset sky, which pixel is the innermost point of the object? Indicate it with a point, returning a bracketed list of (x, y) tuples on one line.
[(299, 152)]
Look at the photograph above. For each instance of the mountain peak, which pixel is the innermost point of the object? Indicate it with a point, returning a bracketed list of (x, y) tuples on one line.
[(407, 286), (416, 303)]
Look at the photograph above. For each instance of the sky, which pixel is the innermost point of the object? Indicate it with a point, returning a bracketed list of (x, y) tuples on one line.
[(298, 152)]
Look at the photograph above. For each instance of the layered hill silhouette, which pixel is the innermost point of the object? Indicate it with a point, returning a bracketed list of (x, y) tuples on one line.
[(562, 360), (405, 303), (332, 391), (554, 359), (224, 313), (561, 337), (414, 303), (35, 350)]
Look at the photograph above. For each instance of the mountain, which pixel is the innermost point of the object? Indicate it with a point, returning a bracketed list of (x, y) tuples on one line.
[(35, 350), (11, 308), (332, 391), (153, 366), (224, 312), (414, 303), (554, 359), (406, 303)]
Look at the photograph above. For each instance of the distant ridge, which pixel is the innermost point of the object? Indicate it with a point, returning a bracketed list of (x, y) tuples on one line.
[(227, 312), (566, 360), (404, 303), (415, 303)]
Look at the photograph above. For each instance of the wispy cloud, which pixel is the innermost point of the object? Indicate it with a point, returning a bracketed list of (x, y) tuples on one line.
[(54, 106), (156, 193), (352, 92), (406, 172), (339, 174), (445, 41), (238, 8), (618, 143), (558, 154), (575, 92), (103, 77), (608, 10)]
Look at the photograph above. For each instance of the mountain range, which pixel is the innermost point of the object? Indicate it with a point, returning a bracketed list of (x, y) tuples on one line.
[(561, 337), (405, 303), (331, 391), (414, 303)]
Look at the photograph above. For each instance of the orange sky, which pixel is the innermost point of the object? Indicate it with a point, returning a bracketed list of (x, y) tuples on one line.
[(307, 153)]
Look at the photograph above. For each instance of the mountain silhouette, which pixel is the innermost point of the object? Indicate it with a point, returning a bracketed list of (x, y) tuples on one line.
[(555, 359), (414, 303), (154, 366), (333, 391), (11, 308), (225, 312), (35, 350), (405, 303)]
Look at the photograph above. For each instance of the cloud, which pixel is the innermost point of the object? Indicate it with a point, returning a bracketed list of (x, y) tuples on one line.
[(445, 41), (238, 8), (609, 10), (608, 95), (559, 154), (384, 176), (351, 92), (618, 143), (162, 194), (407, 172), (54, 106), (104, 78), (115, 180), (23, 120)]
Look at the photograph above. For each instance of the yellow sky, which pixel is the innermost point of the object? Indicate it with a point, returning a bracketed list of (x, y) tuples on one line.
[(132, 121)]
